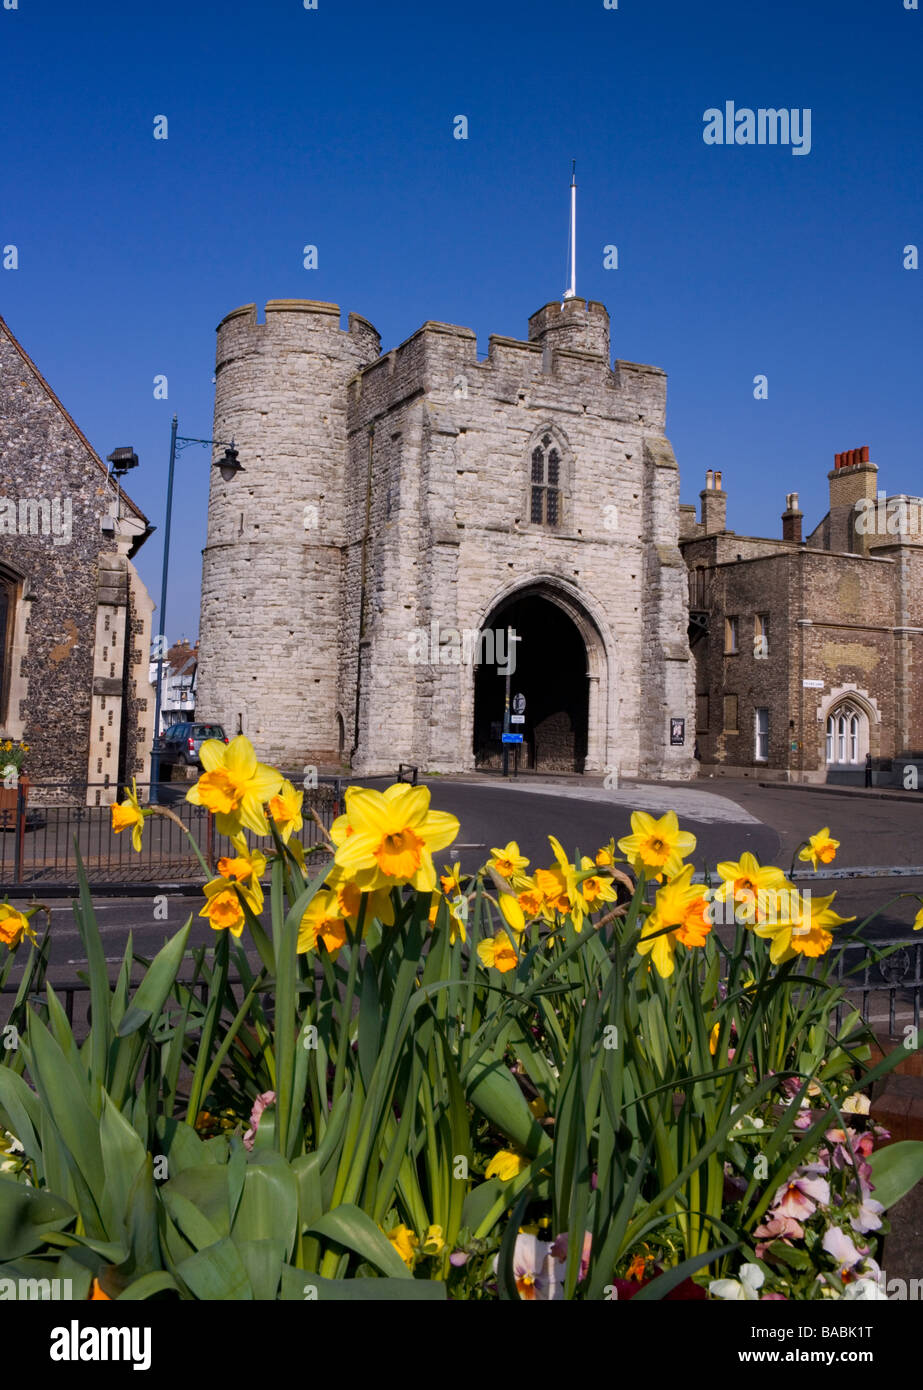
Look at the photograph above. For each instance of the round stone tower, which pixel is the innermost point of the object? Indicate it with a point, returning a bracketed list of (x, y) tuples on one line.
[(576, 324), (272, 578)]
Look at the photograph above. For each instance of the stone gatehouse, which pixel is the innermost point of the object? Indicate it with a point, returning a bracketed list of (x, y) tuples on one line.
[(397, 513)]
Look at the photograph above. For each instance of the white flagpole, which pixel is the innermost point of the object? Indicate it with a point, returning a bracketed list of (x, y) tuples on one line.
[(571, 291)]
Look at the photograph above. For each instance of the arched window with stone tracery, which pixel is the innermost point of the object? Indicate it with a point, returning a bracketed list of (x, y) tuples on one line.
[(548, 461), (847, 735)]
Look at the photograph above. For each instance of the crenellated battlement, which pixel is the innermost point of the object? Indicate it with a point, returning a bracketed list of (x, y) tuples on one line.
[(290, 321)]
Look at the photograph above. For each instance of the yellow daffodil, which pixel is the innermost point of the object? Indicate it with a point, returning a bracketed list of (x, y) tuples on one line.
[(349, 899), (389, 837), (682, 906), (450, 883), (285, 810), (433, 1241), (918, 921), (656, 847), (235, 786), (820, 849), (245, 868), (509, 864), (405, 1243), (323, 922), (506, 1164), (803, 930), (223, 906), (560, 888), (597, 888), (531, 900), (513, 914), (713, 1039), (538, 1107), (752, 892), (605, 857), (14, 926), (128, 813), (498, 952)]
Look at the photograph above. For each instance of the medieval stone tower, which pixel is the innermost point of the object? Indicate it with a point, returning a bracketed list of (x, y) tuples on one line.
[(399, 515)]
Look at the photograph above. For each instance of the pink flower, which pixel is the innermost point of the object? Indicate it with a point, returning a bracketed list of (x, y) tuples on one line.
[(778, 1228), (259, 1105), (773, 1298), (868, 1217), (784, 1227), (838, 1244), (800, 1197), (559, 1251)]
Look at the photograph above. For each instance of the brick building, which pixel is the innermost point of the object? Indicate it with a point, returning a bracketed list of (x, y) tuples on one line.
[(809, 651), (75, 619), (396, 513)]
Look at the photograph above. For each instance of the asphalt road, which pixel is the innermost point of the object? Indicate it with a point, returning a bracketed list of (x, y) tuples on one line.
[(726, 819)]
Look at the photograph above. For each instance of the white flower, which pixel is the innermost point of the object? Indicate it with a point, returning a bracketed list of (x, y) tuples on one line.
[(745, 1289), (535, 1270), (865, 1290), (857, 1104)]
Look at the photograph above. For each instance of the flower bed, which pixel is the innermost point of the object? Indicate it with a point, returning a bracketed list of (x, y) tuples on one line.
[(599, 1079)]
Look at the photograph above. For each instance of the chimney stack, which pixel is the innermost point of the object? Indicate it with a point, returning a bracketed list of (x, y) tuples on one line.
[(853, 479), (714, 505), (792, 518)]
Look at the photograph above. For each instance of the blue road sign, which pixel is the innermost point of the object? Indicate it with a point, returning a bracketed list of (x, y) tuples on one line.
[(511, 738)]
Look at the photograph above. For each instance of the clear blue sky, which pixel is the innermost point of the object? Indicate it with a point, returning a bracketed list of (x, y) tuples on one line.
[(334, 127)]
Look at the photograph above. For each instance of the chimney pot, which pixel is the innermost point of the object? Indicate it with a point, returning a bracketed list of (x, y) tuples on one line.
[(853, 457), (836, 460), (709, 480), (718, 482), (865, 454)]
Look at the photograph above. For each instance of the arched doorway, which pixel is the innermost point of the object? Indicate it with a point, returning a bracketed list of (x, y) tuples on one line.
[(551, 670)]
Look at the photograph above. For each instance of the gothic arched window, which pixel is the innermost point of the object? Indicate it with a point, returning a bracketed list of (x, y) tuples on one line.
[(847, 735), (546, 482)]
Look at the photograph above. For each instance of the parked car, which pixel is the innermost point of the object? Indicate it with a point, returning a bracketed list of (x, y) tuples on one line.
[(179, 746)]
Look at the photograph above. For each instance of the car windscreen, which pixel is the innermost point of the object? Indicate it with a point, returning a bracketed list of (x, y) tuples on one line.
[(209, 731)]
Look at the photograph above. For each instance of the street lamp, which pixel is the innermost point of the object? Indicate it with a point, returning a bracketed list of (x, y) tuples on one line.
[(230, 466)]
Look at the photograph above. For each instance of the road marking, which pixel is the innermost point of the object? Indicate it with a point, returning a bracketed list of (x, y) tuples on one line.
[(706, 807)]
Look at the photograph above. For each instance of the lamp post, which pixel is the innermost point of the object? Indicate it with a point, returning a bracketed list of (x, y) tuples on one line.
[(230, 467)]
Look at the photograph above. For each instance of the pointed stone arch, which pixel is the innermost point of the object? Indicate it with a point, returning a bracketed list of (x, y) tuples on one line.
[(590, 694), (835, 715)]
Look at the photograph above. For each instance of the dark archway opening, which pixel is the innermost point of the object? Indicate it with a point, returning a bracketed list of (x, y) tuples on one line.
[(550, 671)]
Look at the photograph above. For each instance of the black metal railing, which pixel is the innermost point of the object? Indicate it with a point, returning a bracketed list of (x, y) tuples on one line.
[(897, 980), (51, 823)]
